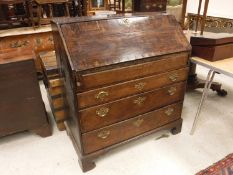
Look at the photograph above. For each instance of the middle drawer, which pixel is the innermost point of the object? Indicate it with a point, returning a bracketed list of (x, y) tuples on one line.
[(117, 91), (103, 115)]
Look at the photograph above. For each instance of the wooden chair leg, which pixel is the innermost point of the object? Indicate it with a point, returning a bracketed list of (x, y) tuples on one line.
[(67, 9), (39, 12)]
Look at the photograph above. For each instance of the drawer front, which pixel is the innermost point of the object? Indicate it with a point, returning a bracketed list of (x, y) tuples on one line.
[(114, 92), (166, 63), (98, 139), (103, 115)]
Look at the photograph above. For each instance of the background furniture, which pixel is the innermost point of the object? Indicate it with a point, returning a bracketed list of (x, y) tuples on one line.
[(13, 13), (119, 88), (21, 104), (114, 5), (223, 67), (212, 24), (28, 39), (54, 86), (45, 16), (149, 5)]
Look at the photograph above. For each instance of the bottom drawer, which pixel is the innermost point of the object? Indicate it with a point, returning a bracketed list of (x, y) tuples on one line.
[(107, 136)]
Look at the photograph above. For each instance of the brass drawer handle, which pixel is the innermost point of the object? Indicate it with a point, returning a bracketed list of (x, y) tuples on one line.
[(103, 134), (169, 111), (18, 44), (139, 101), (138, 122), (101, 95), (172, 91), (173, 77), (139, 86), (154, 5), (160, 6), (102, 112)]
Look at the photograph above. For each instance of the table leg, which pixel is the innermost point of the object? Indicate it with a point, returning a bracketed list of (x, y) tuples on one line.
[(208, 83)]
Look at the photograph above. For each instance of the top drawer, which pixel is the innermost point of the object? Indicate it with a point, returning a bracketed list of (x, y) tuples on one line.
[(164, 64)]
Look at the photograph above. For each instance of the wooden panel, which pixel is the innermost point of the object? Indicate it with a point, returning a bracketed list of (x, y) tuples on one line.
[(116, 133), (35, 42), (102, 115), (166, 63), (21, 105), (106, 94), (120, 39)]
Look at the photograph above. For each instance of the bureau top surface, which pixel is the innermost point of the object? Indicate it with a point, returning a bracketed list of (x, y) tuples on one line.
[(102, 41)]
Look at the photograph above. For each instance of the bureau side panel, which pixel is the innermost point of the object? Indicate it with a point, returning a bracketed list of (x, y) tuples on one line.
[(67, 75)]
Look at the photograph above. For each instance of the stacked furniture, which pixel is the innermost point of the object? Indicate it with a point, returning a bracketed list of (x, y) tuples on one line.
[(13, 13), (28, 39), (21, 104), (126, 81), (54, 86)]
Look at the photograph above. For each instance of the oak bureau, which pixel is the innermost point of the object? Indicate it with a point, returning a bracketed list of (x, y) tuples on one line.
[(124, 78)]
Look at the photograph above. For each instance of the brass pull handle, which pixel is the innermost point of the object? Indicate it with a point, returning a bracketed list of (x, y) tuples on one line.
[(101, 95), (169, 111), (154, 5), (173, 77), (139, 86), (102, 112), (138, 122), (18, 44), (171, 91), (103, 134), (139, 101)]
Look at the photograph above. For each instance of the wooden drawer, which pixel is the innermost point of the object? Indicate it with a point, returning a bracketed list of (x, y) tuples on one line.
[(114, 92), (164, 64), (116, 133), (55, 91), (103, 115)]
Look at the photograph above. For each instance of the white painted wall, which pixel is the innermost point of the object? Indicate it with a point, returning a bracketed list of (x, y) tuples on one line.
[(219, 8)]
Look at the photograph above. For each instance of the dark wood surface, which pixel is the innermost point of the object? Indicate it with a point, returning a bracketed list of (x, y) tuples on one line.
[(124, 52), (21, 104), (110, 45), (138, 104), (148, 66), (117, 91), (130, 128), (212, 46)]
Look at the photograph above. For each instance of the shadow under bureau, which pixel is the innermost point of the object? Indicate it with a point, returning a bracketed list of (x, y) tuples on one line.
[(124, 78)]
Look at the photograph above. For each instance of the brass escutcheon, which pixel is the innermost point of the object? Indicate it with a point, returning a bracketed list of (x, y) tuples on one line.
[(139, 86), (169, 111), (139, 101), (102, 112), (173, 77), (103, 134), (138, 122), (172, 90), (101, 95)]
